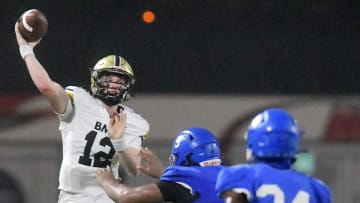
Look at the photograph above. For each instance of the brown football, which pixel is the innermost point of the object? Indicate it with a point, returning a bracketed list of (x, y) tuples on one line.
[(33, 25)]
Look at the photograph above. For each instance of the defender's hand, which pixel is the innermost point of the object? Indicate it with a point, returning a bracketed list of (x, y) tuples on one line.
[(105, 175), (154, 167)]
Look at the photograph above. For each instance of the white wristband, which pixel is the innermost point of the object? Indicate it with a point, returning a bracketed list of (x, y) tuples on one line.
[(119, 144), (25, 50)]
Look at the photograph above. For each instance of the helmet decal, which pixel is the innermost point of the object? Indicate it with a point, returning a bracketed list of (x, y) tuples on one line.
[(178, 140)]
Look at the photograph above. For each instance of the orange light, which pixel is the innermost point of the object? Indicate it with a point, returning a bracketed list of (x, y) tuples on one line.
[(148, 16)]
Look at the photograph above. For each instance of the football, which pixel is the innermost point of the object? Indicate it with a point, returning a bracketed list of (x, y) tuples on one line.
[(33, 25)]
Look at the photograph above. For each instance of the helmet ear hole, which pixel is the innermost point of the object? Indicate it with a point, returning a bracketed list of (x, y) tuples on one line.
[(188, 161)]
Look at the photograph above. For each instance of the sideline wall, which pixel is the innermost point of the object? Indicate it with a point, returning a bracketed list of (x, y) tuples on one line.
[(31, 152)]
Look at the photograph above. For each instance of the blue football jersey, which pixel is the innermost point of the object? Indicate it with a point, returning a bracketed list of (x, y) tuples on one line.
[(200, 180), (262, 183)]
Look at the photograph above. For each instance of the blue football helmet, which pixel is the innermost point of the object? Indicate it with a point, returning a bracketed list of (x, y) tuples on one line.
[(194, 146), (273, 133)]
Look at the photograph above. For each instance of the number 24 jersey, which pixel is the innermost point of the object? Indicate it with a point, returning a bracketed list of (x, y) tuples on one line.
[(262, 183)]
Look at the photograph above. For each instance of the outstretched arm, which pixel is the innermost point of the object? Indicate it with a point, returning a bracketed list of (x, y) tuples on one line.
[(122, 193), (54, 92)]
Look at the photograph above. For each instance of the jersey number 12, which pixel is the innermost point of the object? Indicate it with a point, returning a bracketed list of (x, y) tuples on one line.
[(101, 159)]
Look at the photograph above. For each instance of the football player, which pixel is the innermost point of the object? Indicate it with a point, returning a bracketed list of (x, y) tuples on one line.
[(272, 142), (191, 177), (91, 138)]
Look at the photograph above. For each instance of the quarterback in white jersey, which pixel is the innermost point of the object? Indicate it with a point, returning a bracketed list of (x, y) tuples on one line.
[(86, 145), (89, 124)]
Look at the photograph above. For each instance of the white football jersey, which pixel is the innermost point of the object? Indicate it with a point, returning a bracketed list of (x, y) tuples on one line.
[(86, 146)]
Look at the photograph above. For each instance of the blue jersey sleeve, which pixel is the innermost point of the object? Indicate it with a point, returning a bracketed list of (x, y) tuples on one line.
[(238, 178), (322, 191), (176, 174), (200, 181)]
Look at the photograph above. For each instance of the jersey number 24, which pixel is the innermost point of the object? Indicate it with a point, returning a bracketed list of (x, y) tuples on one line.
[(279, 196)]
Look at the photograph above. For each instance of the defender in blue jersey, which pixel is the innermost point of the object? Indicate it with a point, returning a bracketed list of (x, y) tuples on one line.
[(191, 176), (273, 140)]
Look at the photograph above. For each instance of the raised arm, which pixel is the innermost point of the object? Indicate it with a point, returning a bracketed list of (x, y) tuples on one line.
[(54, 92)]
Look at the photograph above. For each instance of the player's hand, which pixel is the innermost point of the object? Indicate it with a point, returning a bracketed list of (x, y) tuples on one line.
[(105, 175), (117, 125), (153, 166), (20, 40), (107, 181)]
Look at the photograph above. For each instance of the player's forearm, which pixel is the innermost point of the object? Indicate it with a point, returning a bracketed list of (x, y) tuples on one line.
[(131, 157), (54, 92), (38, 74), (113, 189)]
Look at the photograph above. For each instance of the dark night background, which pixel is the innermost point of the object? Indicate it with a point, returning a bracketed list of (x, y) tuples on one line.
[(195, 46)]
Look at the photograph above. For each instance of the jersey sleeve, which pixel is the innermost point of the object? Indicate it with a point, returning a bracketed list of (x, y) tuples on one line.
[(174, 192), (322, 191), (135, 142), (235, 178), (136, 125), (183, 178), (70, 92), (178, 173), (69, 109)]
